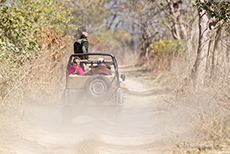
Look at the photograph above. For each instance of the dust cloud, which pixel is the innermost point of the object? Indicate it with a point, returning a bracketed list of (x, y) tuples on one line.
[(147, 125)]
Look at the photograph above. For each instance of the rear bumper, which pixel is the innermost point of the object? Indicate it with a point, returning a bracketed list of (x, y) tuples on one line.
[(75, 102), (77, 97)]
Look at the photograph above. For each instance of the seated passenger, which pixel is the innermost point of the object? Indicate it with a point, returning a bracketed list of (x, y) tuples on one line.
[(101, 68), (76, 68)]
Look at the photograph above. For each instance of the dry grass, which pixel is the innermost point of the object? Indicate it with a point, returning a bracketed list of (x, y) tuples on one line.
[(208, 106), (209, 122), (37, 80), (41, 79)]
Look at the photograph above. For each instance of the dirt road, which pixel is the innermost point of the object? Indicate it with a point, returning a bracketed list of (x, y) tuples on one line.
[(150, 124)]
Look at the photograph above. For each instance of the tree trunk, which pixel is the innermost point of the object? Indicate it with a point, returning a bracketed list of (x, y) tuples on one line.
[(199, 69), (178, 30), (216, 41)]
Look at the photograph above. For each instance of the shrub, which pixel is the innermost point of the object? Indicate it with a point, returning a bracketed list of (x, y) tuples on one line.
[(167, 47)]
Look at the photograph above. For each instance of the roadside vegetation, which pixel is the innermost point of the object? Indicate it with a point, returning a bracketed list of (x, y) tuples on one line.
[(186, 42)]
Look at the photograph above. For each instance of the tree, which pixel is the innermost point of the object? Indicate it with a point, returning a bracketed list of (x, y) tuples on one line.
[(172, 18), (210, 13), (88, 15), (139, 18), (19, 29), (199, 68), (21, 26)]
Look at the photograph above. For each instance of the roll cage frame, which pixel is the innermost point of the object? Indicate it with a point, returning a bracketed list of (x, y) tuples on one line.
[(114, 62)]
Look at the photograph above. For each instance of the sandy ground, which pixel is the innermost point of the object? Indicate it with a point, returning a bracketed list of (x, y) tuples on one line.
[(150, 124)]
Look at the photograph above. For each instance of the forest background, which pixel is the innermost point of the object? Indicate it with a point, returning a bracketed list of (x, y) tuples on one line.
[(184, 41)]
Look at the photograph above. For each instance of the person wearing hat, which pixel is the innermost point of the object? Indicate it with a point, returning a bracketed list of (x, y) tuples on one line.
[(101, 68), (81, 46)]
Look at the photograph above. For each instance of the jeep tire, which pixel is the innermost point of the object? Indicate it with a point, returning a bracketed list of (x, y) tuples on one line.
[(98, 88)]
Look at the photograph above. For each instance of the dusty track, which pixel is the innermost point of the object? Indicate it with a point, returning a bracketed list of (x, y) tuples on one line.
[(149, 125)]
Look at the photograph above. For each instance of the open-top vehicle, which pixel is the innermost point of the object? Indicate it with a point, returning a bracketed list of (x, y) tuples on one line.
[(86, 94)]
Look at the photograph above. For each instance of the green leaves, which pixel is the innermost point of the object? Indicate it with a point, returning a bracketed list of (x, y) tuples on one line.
[(216, 9), (21, 22), (17, 33), (20, 25), (168, 47)]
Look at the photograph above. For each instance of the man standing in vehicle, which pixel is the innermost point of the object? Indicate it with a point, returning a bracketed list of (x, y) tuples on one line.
[(81, 46)]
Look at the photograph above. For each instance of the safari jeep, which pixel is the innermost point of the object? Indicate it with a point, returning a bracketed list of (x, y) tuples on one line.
[(86, 94)]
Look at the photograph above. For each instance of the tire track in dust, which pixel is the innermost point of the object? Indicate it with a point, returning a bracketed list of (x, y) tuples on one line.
[(141, 128)]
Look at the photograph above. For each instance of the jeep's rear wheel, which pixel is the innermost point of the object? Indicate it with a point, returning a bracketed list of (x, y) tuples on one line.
[(98, 88)]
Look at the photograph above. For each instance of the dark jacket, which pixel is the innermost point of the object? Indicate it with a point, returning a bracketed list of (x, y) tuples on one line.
[(99, 70), (81, 46)]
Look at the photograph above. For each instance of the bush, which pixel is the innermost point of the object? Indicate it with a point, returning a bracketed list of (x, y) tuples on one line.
[(168, 47), (29, 33)]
